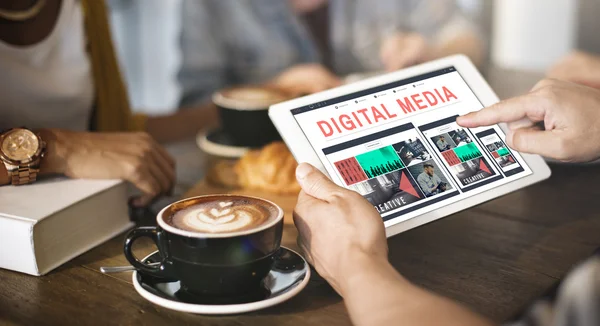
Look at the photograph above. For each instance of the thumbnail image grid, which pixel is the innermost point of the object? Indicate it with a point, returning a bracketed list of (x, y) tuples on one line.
[(451, 139), (394, 176), (456, 147), (501, 154), (464, 158)]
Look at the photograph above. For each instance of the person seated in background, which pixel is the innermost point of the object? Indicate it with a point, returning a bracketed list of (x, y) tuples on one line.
[(60, 78), (578, 67), (303, 46), (339, 230)]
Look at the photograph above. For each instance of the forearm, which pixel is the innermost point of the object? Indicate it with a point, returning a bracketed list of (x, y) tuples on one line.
[(182, 124), (57, 150), (378, 295)]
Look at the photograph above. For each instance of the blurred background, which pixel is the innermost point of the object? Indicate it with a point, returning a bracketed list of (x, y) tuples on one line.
[(150, 56), (522, 41)]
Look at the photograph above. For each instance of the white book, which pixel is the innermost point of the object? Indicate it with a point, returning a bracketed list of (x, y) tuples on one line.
[(50, 222)]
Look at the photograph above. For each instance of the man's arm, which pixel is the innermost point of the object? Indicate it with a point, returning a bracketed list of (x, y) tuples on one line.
[(344, 238), (376, 294)]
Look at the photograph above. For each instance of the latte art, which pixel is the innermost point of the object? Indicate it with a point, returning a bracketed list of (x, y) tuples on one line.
[(221, 217), (216, 221)]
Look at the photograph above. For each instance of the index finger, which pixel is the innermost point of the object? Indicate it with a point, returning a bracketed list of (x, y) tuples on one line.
[(518, 108)]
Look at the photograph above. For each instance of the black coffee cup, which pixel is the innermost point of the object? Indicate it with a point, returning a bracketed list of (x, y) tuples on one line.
[(244, 114), (212, 264)]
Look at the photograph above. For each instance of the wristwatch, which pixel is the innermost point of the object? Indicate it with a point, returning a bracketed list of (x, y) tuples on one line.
[(21, 151)]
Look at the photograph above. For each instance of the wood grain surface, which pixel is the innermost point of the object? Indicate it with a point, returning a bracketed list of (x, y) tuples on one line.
[(495, 258)]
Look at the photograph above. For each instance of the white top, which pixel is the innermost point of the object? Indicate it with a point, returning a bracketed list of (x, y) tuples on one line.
[(48, 84)]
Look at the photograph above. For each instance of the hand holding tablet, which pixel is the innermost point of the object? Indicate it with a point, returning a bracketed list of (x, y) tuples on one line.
[(394, 140)]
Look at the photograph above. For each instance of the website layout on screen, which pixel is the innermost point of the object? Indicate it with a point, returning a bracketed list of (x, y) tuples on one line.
[(399, 146)]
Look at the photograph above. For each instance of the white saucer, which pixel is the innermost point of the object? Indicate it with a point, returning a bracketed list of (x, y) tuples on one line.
[(217, 143), (288, 277)]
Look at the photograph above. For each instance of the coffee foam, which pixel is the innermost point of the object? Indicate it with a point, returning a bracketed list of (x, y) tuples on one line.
[(223, 216), (248, 98)]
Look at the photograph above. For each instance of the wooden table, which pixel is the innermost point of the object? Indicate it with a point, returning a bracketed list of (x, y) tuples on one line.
[(495, 258)]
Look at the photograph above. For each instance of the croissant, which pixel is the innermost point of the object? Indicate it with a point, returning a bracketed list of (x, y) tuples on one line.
[(272, 169)]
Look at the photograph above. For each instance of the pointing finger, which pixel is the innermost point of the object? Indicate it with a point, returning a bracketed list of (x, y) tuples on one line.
[(527, 106)]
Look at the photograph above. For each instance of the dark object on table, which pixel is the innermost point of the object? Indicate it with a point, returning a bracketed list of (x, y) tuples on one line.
[(244, 114), (211, 264), (279, 286), (142, 216)]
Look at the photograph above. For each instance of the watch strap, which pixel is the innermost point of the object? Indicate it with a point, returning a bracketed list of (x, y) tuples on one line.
[(23, 175)]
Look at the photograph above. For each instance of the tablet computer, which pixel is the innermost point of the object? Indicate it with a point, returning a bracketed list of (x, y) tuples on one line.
[(394, 139)]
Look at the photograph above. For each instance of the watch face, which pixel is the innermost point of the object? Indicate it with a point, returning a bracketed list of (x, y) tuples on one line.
[(20, 144)]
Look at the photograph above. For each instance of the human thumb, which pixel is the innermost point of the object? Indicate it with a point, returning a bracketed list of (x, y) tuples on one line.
[(316, 184)]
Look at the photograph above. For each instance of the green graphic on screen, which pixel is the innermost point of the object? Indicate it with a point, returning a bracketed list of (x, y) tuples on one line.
[(467, 152), (503, 151), (380, 162)]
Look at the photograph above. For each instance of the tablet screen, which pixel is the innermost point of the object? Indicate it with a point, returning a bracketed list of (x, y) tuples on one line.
[(399, 145)]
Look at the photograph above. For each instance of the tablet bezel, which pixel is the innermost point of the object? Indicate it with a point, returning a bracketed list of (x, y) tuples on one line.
[(302, 150)]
